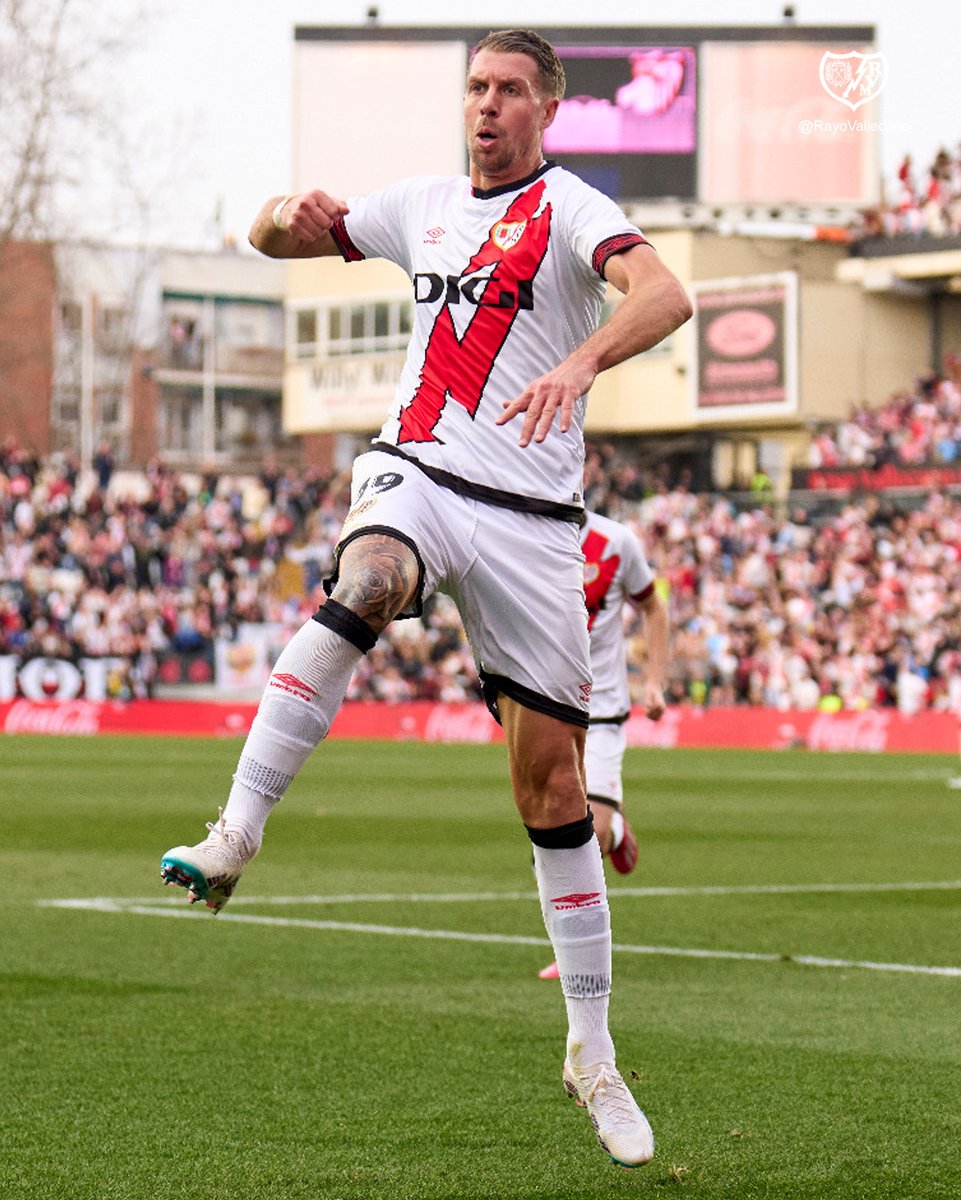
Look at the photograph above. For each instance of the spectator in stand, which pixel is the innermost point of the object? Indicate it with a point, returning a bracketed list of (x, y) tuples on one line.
[(778, 611), (914, 428), (104, 464), (931, 210)]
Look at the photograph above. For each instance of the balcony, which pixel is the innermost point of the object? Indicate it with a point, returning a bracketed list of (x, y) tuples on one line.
[(257, 362), (263, 364)]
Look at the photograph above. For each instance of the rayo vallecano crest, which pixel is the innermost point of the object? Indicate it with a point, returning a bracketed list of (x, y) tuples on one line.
[(507, 233), (853, 78)]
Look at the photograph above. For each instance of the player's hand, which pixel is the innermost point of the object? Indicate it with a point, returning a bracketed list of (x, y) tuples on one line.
[(551, 396), (307, 216), (654, 705)]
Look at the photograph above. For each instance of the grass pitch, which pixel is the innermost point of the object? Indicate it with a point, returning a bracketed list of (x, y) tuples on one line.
[(364, 1021)]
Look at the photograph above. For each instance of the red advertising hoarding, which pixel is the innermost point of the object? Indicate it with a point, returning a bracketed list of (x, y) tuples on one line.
[(874, 730)]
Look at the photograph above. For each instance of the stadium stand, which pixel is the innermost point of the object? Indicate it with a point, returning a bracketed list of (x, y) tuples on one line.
[(929, 205), (849, 605)]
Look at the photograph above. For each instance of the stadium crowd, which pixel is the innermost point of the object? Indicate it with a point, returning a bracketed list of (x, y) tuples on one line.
[(915, 427), (922, 205), (164, 564), (852, 609)]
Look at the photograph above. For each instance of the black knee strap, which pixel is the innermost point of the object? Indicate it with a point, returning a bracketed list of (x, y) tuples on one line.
[(605, 800), (564, 837), (338, 618)]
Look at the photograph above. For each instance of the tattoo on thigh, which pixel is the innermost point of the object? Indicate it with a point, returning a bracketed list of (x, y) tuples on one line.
[(378, 578)]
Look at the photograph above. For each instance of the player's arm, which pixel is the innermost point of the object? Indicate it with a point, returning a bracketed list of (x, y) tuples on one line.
[(657, 637), (654, 305), (297, 226)]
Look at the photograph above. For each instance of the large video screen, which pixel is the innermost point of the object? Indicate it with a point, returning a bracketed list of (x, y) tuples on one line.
[(628, 123), (718, 114)]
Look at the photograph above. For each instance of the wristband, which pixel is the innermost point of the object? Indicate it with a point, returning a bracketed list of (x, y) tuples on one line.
[(278, 209)]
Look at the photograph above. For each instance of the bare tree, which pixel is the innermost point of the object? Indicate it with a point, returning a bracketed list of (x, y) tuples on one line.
[(81, 168), (51, 106)]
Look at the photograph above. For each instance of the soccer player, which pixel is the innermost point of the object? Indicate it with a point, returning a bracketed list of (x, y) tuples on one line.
[(473, 488), (616, 574)]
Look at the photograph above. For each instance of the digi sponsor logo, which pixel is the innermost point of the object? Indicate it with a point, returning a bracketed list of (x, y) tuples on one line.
[(576, 900), (480, 290)]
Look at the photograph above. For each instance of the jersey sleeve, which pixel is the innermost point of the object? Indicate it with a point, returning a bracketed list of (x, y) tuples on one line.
[(638, 578), (375, 227), (599, 229)]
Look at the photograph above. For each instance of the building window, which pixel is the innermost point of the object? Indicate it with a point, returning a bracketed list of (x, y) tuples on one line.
[(110, 407), (367, 327), (306, 332), (70, 319), (181, 419)]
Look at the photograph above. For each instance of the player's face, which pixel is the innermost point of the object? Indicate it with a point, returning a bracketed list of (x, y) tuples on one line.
[(505, 115)]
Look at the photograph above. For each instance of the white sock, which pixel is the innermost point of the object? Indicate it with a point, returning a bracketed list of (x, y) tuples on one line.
[(246, 813), (573, 897), (303, 695)]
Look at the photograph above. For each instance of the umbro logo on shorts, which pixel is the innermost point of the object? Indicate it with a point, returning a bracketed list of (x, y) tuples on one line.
[(576, 900), (290, 683)]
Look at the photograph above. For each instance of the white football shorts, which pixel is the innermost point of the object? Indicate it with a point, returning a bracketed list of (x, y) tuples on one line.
[(604, 760), (517, 580)]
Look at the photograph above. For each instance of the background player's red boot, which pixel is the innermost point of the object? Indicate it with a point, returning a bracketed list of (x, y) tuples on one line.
[(624, 856)]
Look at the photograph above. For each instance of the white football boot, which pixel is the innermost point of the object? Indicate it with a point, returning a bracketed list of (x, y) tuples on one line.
[(210, 870), (621, 1128)]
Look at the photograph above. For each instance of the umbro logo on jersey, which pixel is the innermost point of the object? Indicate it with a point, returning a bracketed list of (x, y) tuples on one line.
[(290, 683), (433, 236), (576, 900)]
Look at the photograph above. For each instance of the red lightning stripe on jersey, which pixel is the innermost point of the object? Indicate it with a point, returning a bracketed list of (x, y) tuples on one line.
[(598, 573), (460, 367)]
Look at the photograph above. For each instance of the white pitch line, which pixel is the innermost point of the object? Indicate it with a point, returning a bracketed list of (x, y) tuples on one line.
[(453, 935), (760, 889), (786, 889)]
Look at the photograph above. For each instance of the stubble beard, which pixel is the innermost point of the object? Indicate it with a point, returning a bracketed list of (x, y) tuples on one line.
[(501, 161)]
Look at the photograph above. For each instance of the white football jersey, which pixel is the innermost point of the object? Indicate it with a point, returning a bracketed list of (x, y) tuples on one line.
[(615, 570), (506, 283)]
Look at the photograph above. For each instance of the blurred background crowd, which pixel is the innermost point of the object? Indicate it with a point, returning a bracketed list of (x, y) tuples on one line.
[(925, 202), (919, 426), (849, 605)]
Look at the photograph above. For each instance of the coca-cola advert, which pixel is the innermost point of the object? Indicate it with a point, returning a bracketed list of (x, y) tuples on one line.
[(689, 727)]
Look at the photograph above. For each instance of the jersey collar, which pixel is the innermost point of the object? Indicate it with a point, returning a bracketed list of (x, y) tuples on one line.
[(488, 193)]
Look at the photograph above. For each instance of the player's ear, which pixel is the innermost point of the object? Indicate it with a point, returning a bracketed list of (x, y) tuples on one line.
[(549, 112)]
